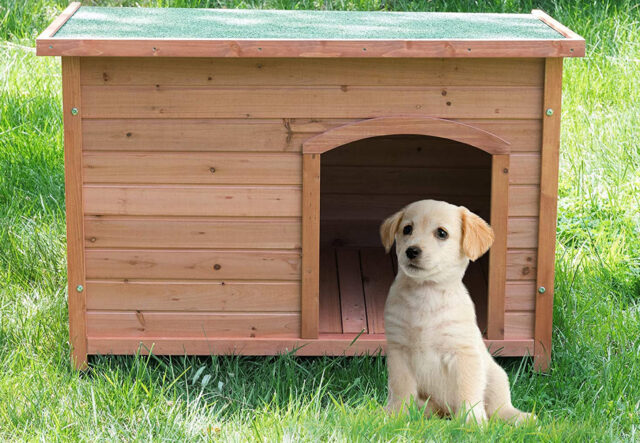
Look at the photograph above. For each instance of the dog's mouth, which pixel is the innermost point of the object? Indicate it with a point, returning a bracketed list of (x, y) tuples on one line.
[(415, 267)]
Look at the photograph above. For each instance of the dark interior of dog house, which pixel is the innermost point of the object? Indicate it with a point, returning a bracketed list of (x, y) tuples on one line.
[(364, 182)]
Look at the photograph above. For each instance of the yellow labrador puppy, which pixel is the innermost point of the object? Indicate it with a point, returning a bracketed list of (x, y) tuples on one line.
[(435, 352)]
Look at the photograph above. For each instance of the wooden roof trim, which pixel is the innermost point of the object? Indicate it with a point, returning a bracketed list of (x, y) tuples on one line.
[(310, 48), (59, 21), (406, 125), (555, 25)]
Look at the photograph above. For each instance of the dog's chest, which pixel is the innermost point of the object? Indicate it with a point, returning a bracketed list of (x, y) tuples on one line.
[(421, 320)]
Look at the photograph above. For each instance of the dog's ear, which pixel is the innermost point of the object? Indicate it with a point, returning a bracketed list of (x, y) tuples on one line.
[(477, 235), (389, 228)]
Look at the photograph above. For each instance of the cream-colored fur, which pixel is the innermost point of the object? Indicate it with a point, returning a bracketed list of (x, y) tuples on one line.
[(435, 353)]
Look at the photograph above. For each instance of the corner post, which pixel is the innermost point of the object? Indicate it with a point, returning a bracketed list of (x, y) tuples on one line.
[(548, 212), (310, 301), (72, 108)]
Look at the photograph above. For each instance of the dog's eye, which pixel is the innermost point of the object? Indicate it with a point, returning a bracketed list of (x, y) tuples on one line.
[(407, 230), (442, 234)]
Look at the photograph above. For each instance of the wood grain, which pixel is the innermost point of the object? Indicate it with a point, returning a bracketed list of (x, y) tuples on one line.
[(519, 325), (243, 201), (524, 169), (309, 102), (275, 135), (548, 213), (142, 324), (330, 318), (520, 296), (325, 344), (192, 264), (376, 207), (498, 251), (522, 232), (404, 180), (105, 71), (193, 168), (414, 125), (172, 295), (377, 276), (310, 245), (353, 308), (407, 150), (524, 200), (468, 48), (192, 232), (74, 209), (521, 264)]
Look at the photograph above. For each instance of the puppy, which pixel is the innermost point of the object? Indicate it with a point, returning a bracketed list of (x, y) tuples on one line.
[(435, 352)]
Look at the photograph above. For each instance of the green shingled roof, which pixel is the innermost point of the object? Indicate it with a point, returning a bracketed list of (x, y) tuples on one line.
[(220, 24)]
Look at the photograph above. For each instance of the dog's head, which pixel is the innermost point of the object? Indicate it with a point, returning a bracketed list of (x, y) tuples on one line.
[(435, 240)]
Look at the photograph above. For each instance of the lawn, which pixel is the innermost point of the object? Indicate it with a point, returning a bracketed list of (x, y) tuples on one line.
[(592, 391)]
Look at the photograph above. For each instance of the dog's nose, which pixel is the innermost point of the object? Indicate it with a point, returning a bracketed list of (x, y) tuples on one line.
[(412, 252)]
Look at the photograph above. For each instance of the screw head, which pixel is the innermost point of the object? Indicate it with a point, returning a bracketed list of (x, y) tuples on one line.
[(74, 111), (542, 290), (549, 112), (79, 288)]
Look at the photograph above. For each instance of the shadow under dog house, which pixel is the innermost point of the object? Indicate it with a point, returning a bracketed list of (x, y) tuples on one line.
[(227, 171)]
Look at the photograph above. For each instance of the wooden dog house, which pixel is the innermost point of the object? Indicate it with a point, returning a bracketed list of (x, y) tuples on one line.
[(227, 171)]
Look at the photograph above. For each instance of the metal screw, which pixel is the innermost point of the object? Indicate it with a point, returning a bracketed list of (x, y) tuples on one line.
[(74, 111), (217, 267), (549, 112), (79, 288), (212, 170), (542, 290)]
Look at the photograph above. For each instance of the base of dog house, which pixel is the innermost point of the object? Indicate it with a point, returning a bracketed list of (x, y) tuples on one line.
[(354, 283), (325, 344)]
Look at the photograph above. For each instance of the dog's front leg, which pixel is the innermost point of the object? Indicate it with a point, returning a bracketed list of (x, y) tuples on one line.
[(471, 379), (403, 387)]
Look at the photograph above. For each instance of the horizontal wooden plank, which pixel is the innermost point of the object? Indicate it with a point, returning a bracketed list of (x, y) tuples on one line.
[(404, 180), (187, 295), (251, 48), (193, 200), (294, 72), (524, 169), (309, 102), (522, 232), (520, 296), (256, 233), (277, 135), (519, 325), (193, 168), (407, 150), (521, 264), (325, 344), (524, 200), (522, 135), (141, 324), (379, 206), (192, 264)]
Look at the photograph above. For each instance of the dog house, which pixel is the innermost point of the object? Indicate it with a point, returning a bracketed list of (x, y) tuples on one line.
[(227, 171)]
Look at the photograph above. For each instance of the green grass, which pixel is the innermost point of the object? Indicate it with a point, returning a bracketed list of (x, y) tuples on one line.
[(591, 392)]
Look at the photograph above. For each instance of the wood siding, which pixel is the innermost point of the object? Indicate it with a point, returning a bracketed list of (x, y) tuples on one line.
[(192, 179)]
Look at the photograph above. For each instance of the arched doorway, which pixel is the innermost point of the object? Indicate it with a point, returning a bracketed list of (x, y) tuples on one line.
[(357, 175)]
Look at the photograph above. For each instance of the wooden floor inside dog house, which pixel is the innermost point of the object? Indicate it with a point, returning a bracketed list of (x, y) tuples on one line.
[(364, 182)]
